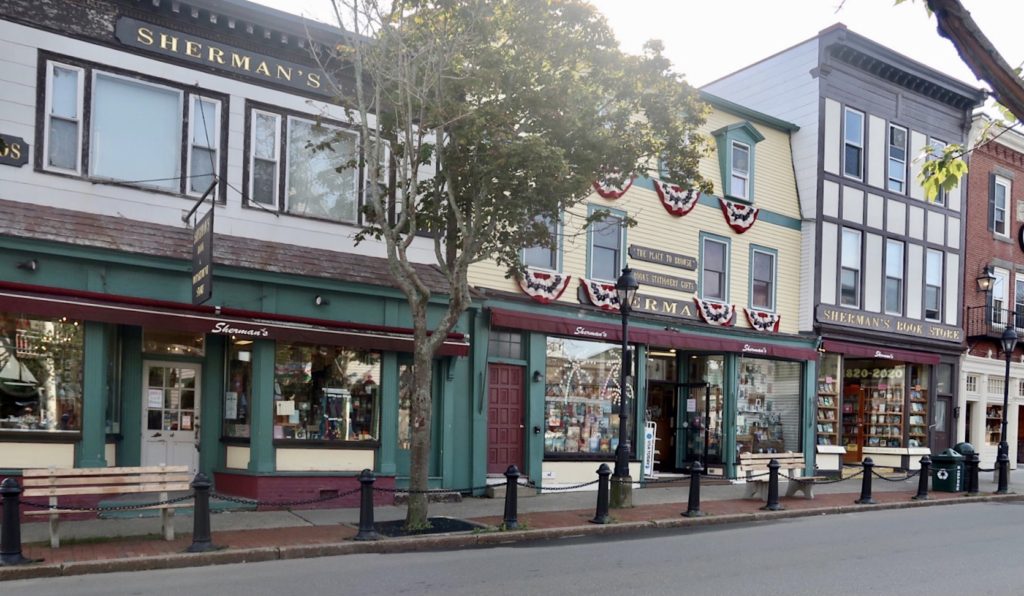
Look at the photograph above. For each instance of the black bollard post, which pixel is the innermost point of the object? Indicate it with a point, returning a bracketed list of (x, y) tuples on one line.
[(972, 474), (773, 487), (865, 484), (922, 481), (601, 516), (10, 533), (511, 521), (1003, 467), (693, 507), (366, 529), (201, 541)]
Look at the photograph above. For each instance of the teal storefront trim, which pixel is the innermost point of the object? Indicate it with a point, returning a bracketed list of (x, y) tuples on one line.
[(91, 452)]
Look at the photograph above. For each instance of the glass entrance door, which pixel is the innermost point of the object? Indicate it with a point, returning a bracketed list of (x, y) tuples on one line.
[(170, 414), (701, 403)]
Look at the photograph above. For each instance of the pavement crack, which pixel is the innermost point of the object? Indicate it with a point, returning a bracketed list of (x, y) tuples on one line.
[(308, 521)]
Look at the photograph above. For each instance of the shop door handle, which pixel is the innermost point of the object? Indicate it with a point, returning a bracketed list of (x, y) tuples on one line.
[(155, 435)]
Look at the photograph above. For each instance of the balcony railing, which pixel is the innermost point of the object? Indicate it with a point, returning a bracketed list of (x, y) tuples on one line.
[(984, 321)]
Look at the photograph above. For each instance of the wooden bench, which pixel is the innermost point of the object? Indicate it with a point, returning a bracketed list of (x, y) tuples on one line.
[(58, 482), (753, 468)]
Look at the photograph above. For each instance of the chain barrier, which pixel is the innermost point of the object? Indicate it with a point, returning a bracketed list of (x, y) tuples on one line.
[(903, 479), (258, 503), (436, 491), (102, 508), (980, 469), (571, 487)]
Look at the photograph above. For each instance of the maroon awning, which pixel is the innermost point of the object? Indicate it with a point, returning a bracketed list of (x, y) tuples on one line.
[(880, 352), (106, 308), (661, 338)]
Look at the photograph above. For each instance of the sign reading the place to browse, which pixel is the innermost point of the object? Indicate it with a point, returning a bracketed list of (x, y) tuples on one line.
[(662, 257), (13, 151), (211, 54), (831, 315)]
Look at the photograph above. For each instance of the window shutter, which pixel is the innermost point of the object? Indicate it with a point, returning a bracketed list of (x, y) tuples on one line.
[(991, 202)]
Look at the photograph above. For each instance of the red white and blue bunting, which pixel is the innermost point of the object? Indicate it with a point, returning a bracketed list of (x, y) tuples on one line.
[(609, 190), (601, 294), (740, 217), (544, 286), (763, 321), (678, 201), (716, 313)]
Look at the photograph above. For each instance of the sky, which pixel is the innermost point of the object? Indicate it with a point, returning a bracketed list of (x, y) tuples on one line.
[(707, 39)]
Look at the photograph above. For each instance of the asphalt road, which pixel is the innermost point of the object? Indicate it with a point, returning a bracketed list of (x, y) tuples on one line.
[(963, 549)]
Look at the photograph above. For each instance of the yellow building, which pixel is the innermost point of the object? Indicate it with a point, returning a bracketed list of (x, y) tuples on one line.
[(722, 370)]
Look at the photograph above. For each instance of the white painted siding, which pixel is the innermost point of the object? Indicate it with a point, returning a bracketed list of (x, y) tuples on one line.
[(952, 287), (915, 279), (782, 86), (19, 46), (830, 198), (877, 146), (876, 211), (832, 142), (829, 255), (953, 232), (872, 273), (896, 222), (936, 227), (917, 142), (916, 229), (853, 204)]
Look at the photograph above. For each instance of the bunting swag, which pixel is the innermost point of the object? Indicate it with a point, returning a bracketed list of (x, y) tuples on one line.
[(601, 294), (715, 313), (542, 286), (677, 200), (608, 190), (740, 217), (763, 321)]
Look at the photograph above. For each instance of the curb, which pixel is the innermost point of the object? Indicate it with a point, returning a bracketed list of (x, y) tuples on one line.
[(448, 541)]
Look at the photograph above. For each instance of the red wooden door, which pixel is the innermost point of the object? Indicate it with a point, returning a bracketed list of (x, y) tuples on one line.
[(504, 417)]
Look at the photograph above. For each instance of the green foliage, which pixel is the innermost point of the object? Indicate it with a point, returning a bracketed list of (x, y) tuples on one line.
[(941, 170)]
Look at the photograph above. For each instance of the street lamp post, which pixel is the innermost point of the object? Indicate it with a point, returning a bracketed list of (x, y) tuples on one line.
[(1009, 341), (622, 485)]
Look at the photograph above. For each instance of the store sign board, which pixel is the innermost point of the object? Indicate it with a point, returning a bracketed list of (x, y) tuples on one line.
[(211, 54), (658, 305), (202, 259), (662, 257), (13, 151), (669, 282), (876, 322), (224, 328)]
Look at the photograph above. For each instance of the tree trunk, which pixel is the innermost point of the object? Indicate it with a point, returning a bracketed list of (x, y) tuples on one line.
[(420, 411)]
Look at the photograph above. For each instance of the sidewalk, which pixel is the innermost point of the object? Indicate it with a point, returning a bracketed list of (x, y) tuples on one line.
[(104, 545)]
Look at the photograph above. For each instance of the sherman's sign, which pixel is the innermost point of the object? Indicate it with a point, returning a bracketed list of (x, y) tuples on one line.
[(197, 50), (660, 280), (13, 151), (656, 305), (830, 315), (654, 255)]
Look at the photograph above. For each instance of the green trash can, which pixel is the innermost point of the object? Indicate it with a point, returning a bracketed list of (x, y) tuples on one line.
[(948, 472)]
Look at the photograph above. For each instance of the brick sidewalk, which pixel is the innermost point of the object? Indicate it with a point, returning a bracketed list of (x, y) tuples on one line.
[(149, 550)]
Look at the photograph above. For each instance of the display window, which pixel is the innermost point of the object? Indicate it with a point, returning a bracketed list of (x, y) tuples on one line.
[(41, 373), (238, 389), (582, 397), (828, 400), (326, 393), (768, 406), (704, 408), (885, 404)]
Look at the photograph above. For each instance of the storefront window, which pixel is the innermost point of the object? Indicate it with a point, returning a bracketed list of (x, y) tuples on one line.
[(40, 374), (405, 383), (828, 400), (768, 406), (917, 414), (113, 381), (885, 404), (582, 397), (173, 343), (704, 408), (326, 393), (238, 392)]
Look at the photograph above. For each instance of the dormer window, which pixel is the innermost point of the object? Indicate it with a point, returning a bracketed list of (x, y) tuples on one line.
[(736, 159)]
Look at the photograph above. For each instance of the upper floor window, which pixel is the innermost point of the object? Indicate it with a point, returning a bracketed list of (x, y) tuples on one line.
[(133, 131), (714, 272), (933, 285), (1000, 296), (607, 238), (853, 144), (1018, 302), (897, 159), (762, 279), (849, 276), (998, 204), (543, 256), (936, 149), (735, 144), (303, 167), (740, 170), (893, 277)]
